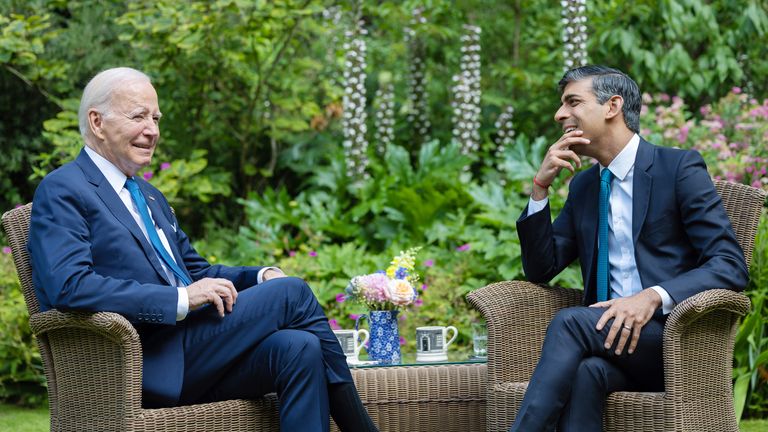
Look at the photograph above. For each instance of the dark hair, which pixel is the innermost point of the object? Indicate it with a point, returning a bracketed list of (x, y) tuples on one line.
[(607, 82)]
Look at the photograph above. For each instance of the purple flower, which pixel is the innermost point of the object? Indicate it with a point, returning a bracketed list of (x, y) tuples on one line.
[(6, 250), (418, 302), (354, 317), (292, 253), (429, 263), (340, 298), (313, 253), (736, 90), (756, 184), (164, 166), (148, 175), (18, 205), (424, 287), (401, 273), (463, 248), (402, 341), (334, 324)]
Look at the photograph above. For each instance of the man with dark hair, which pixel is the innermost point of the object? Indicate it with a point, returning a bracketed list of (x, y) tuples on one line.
[(103, 239), (649, 231)]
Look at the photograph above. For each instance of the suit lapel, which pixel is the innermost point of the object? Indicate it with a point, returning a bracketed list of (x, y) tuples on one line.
[(159, 216), (117, 208), (641, 188)]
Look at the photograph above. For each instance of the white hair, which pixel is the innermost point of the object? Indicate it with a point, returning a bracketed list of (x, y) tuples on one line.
[(98, 92)]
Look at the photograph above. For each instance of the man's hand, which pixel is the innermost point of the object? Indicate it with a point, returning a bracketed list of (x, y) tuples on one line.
[(629, 315), (272, 274), (558, 156), (218, 292)]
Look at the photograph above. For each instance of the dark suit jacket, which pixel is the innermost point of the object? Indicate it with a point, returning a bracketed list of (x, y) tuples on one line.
[(89, 254), (683, 238)]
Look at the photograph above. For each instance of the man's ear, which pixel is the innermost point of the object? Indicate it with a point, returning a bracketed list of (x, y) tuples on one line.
[(96, 123), (615, 104)]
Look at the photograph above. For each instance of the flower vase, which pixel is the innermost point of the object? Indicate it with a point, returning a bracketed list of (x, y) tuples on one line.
[(384, 343)]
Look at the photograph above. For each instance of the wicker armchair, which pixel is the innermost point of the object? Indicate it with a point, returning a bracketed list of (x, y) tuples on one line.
[(698, 345), (93, 366)]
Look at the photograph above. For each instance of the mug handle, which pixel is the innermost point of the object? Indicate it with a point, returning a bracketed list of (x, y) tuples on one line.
[(359, 346), (455, 334)]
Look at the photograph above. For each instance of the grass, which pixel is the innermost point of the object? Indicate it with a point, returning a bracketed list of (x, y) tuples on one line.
[(14, 419)]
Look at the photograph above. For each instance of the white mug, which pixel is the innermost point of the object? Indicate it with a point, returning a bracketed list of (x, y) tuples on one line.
[(350, 342), (431, 345)]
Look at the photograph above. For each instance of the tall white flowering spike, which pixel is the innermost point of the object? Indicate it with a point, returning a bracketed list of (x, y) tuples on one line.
[(354, 117), (466, 93), (574, 21), (418, 103), (384, 106), (505, 135)]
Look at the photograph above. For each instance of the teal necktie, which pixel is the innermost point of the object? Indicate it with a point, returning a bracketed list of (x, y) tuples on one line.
[(602, 234), (141, 205)]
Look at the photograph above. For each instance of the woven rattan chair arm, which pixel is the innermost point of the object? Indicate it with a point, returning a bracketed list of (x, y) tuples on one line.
[(111, 325), (517, 314), (698, 344), (97, 363)]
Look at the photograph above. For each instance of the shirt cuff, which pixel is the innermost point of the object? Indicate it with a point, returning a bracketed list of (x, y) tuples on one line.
[(536, 206), (260, 275), (182, 306), (667, 304)]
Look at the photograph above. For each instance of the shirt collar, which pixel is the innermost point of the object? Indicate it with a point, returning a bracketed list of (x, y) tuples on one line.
[(114, 176), (625, 160)]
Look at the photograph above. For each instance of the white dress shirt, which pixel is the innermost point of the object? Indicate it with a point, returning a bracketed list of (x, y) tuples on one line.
[(624, 279)]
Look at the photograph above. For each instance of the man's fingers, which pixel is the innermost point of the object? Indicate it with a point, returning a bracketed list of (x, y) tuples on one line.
[(607, 315), (635, 337), (214, 299), (625, 331)]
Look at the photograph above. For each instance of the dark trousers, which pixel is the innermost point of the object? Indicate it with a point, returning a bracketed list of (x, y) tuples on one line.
[(277, 339), (575, 373)]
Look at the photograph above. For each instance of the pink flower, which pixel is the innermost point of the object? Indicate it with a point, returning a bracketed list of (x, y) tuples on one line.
[(148, 175), (756, 184), (340, 298), (6, 250), (418, 302), (736, 90), (164, 166), (354, 317), (18, 205), (292, 253), (424, 287), (682, 137), (402, 341), (664, 97), (463, 248), (313, 253), (334, 324), (429, 263)]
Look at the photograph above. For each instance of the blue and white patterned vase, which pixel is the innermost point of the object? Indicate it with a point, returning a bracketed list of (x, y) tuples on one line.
[(384, 344)]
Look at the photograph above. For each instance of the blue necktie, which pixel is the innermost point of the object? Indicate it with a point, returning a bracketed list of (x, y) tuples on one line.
[(141, 205), (602, 234)]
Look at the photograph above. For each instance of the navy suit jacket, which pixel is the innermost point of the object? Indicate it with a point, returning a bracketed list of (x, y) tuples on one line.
[(89, 254), (683, 238)]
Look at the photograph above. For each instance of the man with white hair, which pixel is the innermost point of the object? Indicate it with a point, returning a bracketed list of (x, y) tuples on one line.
[(103, 239)]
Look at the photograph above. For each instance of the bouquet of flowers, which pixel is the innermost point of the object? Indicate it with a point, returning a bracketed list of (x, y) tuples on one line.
[(390, 289)]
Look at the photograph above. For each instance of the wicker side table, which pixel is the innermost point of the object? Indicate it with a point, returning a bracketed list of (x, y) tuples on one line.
[(424, 398)]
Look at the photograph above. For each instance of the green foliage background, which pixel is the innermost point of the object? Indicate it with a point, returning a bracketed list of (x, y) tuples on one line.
[(251, 155)]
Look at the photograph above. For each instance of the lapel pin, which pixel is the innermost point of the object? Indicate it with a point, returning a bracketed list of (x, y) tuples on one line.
[(151, 197)]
